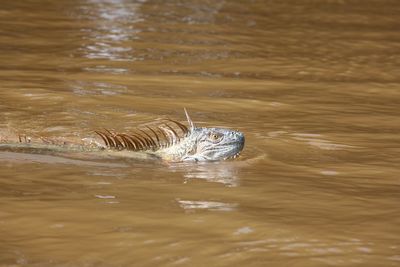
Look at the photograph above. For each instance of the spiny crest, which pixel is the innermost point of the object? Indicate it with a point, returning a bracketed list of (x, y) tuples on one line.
[(151, 138), (191, 124)]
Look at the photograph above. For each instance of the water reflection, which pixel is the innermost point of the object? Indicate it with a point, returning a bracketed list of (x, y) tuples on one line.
[(90, 88), (317, 141), (106, 69), (206, 205), (222, 172), (108, 199), (316, 249), (112, 26), (203, 12), (15, 157)]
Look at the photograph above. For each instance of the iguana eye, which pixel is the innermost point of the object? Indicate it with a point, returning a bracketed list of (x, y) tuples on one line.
[(214, 137)]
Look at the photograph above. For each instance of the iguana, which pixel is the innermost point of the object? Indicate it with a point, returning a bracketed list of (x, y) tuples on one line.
[(168, 140)]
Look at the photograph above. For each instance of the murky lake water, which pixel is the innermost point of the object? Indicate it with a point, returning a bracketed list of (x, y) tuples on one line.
[(315, 87)]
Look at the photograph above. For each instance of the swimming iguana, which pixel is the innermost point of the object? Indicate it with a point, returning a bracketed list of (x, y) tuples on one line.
[(168, 140)]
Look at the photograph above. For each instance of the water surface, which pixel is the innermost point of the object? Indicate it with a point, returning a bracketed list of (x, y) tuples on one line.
[(314, 85)]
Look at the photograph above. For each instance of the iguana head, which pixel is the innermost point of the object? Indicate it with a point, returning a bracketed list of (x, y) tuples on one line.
[(213, 144), (206, 144)]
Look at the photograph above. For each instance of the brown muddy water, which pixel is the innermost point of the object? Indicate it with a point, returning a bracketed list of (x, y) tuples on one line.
[(313, 84)]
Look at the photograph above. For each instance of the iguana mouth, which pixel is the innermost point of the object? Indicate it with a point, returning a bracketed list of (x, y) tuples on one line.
[(233, 157)]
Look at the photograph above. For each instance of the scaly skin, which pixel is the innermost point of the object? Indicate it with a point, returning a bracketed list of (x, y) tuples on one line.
[(197, 144), (205, 144)]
